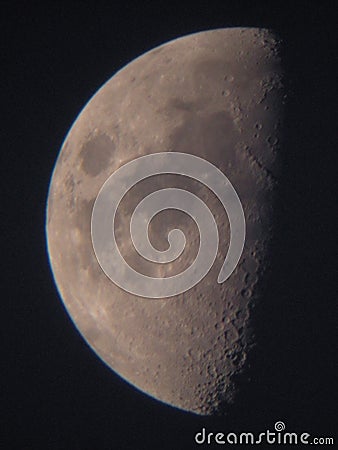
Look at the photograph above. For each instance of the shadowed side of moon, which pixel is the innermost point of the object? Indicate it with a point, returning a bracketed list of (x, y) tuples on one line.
[(217, 95)]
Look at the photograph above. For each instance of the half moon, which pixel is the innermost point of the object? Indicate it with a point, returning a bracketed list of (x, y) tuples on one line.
[(217, 95)]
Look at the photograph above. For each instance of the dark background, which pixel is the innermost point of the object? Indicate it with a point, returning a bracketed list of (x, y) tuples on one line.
[(57, 393)]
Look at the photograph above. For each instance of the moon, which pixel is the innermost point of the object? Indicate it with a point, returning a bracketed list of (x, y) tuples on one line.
[(217, 95)]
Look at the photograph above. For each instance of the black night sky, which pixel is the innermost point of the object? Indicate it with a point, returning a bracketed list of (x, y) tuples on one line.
[(57, 393)]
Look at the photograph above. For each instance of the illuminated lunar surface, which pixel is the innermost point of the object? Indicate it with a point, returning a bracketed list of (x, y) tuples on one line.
[(218, 95)]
